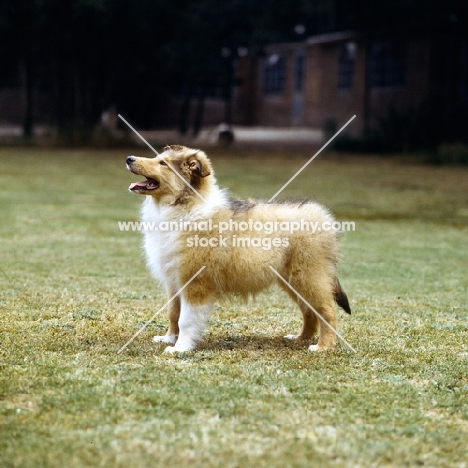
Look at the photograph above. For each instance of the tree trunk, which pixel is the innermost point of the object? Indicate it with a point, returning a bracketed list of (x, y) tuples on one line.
[(26, 94), (198, 118), (185, 111)]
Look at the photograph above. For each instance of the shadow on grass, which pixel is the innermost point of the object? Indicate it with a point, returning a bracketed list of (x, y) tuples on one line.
[(253, 343)]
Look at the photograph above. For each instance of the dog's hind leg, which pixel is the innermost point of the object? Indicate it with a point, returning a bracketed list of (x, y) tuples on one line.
[(310, 325), (173, 313), (322, 313), (327, 340)]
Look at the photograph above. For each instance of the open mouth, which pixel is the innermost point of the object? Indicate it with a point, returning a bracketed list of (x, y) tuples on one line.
[(144, 186)]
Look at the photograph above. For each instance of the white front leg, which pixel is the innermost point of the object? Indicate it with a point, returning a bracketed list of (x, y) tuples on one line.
[(192, 323)]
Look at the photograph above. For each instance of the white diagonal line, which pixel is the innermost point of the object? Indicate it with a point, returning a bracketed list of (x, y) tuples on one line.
[(136, 133), (173, 170), (313, 310), (161, 309), (312, 158)]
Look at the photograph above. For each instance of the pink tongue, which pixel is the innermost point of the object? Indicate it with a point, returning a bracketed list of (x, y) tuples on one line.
[(138, 185)]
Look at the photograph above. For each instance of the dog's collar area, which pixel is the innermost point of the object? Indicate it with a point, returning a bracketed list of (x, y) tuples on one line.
[(144, 186)]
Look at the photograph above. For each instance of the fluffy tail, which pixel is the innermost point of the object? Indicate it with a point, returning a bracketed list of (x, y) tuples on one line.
[(341, 298)]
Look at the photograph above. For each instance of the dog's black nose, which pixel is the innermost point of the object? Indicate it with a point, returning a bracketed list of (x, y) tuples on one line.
[(131, 159)]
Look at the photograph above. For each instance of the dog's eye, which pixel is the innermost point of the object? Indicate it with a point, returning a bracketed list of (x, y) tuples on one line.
[(163, 163)]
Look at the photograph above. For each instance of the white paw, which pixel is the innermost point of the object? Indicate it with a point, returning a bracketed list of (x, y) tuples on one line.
[(317, 349), (177, 349), (291, 337), (169, 339)]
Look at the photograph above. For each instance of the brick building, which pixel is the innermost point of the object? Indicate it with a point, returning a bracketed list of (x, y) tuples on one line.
[(326, 79)]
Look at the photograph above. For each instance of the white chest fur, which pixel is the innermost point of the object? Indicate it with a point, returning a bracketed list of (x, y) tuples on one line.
[(161, 242)]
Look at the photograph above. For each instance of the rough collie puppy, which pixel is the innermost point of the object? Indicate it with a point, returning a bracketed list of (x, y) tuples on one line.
[(191, 223)]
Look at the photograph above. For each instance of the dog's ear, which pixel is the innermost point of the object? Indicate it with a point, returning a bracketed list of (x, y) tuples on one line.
[(198, 164)]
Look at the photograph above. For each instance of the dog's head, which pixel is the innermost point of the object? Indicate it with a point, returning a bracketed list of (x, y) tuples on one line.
[(174, 177)]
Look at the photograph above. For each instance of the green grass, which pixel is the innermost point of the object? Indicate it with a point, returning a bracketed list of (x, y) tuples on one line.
[(74, 289)]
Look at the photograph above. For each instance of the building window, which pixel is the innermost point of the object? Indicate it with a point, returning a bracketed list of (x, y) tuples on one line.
[(346, 61), (299, 71), (388, 64), (274, 74)]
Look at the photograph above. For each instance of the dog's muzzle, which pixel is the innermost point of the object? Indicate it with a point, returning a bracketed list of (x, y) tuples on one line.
[(130, 160)]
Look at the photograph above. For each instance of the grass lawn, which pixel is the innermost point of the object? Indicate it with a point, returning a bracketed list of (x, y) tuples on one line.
[(74, 289)]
